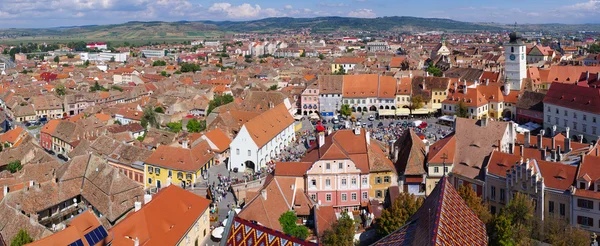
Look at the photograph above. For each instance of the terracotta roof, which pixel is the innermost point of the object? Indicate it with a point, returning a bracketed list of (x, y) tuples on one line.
[(360, 85), (325, 217), (293, 169), (331, 84), (396, 62), (12, 136), (349, 60), (443, 219), (219, 139), (411, 155), (557, 175), (532, 101), (78, 227), (180, 158), (152, 226), (50, 127), (264, 127), (443, 146), (387, 87), (574, 97)]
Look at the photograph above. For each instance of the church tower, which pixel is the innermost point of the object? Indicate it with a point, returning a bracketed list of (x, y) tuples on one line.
[(515, 61)]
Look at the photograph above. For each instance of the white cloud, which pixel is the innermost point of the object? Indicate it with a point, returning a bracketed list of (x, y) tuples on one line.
[(333, 5), (243, 11), (288, 7), (362, 13)]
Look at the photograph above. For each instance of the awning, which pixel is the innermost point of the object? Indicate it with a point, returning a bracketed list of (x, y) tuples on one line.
[(384, 112), (218, 232), (420, 111), (314, 116), (403, 111)]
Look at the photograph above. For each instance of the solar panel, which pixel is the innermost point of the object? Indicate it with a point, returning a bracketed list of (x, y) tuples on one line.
[(96, 235), (77, 243)]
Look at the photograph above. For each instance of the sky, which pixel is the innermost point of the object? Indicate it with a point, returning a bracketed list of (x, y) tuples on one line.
[(54, 13)]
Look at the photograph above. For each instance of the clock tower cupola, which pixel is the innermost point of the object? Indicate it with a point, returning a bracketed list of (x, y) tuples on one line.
[(515, 65)]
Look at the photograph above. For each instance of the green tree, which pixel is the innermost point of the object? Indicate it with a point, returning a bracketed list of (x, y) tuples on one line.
[(218, 101), (345, 110), (21, 238), (14, 166), (520, 211), (500, 231), (594, 49), (159, 110), (397, 215), (321, 56), (56, 59), (97, 87), (174, 126), (273, 88), (288, 220), (112, 59), (194, 125), (558, 231), (189, 67), (416, 102), (60, 90), (303, 54), (341, 232), (475, 203), (340, 71), (118, 122), (149, 117), (433, 70), (117, 88), (86, 63), (164, 73), (159, 63), (461, 110)]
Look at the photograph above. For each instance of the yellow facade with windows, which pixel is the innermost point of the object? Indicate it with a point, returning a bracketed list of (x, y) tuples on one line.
[(379, 184), (199, 231), (157, 176)]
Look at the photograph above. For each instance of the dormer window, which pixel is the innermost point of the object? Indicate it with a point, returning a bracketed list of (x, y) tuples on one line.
[(582, 185)]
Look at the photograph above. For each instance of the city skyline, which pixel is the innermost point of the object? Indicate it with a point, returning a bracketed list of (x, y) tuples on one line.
[(55, 13)]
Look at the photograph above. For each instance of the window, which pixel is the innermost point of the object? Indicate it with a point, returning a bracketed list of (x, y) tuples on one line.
[(386, 179), (561, 208), (353, 196), (328, 197), (594, 130), (170, 173), (566, 114), (237, 151), (574, 115), (574, 125), (327, 183), (327, 166), (341, 165), (313, 183), (594, 119), (378, 194), (364, 180), (445, 169), (548, 109), (583, 127), (585, 221), (249, 153), (583, 203), (150, 169), (344, 197), (551, 207), (493, 209), (582, 185), (557, 111), (566, 123), (157, 171), (584, 117), (378, 180), (353, 182), (365, 196), (493, 193), (149, 180), (502, 198), (343, 182), (548, 118), (313, 197), (436, 170)]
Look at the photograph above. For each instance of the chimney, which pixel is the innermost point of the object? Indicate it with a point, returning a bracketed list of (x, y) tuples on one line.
[(184, 143), (487, 82), (368, 137), (33, 219), (580, 138), (484, 122), (587, 75), (553, 155), (567, 140), (263, 193), (499, 145), (553, 131), (30, 183), (5, 191), (410, 75), (321, 139), (147, 198), (558, 149), (539, 139), (511, 148), (553, 142), (137, 206), (465, 86), (136, 242), (357, 130), (527, 136), (521, 149), (543, 153)]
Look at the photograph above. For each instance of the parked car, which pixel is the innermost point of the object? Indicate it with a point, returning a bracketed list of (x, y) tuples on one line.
[(335, 120), (62, 157), (27, 124), (381, 124), (235, 169), (371, 117), (50, 151), (364, 124)]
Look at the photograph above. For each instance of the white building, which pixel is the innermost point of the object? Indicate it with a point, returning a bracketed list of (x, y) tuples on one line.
[(515, 61), (104, 56), (377, 46), (212, 43), (262, 139), (574, 107), (153, 53)]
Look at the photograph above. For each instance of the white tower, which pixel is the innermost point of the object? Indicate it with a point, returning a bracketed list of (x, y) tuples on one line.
[(515, 61)]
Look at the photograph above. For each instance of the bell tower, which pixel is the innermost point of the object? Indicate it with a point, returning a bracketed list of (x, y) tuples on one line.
[(515, 56)]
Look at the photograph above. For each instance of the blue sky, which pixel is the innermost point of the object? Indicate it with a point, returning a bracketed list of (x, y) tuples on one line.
[(50, 13)]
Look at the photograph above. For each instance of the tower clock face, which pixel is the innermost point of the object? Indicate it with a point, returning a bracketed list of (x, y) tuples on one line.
[(512, 57)]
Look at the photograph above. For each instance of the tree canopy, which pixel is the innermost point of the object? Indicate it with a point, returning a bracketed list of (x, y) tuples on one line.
[(159, 110), (218, 101), (14, 166), (195, 125), (149, 118), (56, 59), (461, 110), (97, 87), (189, 67), (174, 126), (21, 238), (434, 71), (515, 224), (416, 102), (341, 232), (397, 215), (60, 90), (159, 63), (346, 110), (288, 220), (475, 203)]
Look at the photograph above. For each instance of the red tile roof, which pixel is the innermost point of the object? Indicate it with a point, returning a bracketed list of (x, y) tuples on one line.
[(574, 97)]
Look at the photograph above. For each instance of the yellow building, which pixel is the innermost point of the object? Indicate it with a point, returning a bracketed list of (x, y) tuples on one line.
[(173, 216), (178, 166), (382, 173)]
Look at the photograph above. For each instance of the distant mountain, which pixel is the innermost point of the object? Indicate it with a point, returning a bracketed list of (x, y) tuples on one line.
[(153, 30)]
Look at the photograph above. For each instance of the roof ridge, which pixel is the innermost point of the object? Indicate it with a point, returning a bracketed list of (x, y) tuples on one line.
[(438, 212), (281, 191)]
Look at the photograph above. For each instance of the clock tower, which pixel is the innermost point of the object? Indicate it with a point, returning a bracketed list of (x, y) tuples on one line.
[(515, 69)]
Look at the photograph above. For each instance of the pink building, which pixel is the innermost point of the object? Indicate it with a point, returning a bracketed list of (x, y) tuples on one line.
[(310, 100), (339, 175)]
